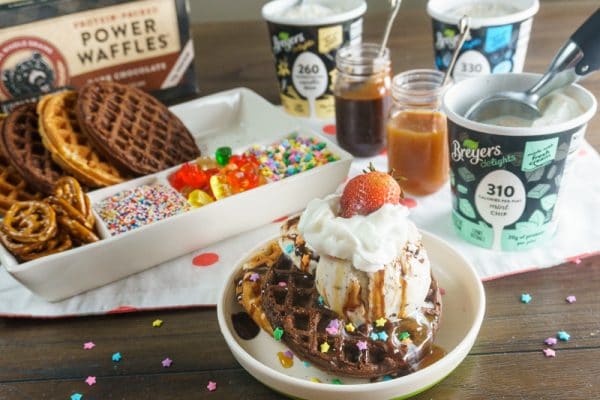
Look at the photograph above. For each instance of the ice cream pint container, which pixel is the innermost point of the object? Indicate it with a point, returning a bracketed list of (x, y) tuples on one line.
[(506, 182), (304, 39), (498, 38)]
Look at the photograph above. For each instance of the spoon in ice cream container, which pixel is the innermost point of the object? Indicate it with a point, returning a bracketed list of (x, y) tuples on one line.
[(577, 58), (463, 31)]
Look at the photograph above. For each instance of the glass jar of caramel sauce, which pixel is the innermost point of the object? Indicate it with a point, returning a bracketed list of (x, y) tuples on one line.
[(417, 137), (362, 98)]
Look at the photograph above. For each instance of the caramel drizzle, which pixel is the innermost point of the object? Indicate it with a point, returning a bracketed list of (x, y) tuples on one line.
[(377, 295)]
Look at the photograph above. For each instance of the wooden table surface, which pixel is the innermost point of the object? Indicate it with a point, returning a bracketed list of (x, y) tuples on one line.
[(42, 359)]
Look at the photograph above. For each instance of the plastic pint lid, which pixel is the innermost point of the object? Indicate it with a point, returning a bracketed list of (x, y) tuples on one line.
[(274, 11), (439, 10)]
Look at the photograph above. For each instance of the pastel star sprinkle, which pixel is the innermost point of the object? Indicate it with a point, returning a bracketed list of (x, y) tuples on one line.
[(289, 248), (387, 378), (526, 298), (212, 386), (324, 347), (571, 299), (336, 381), (564, 336), (116, 357), (382, 336), (404, 335), (315, 380), (282, 284), (374, 336), (90, 380), (89, 345), (278, 333), (306, 364), (349, 327), (254, 277), (549, 352), (320, 300), (334, 327), (380, 322), (551, 341), (76, 396), (157, 323), (288, 354), (166, 363), (361, 344)]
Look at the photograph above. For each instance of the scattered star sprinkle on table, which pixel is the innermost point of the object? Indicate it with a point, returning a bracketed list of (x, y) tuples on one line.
[(166, 363), (116, 357), (254, 277), (361, 344), (526, 298), (76, 396), (89, 345), (380, 322), (549, 352), (278, 333), (324, 347), (157, 323), (571, 299), (564, 336), (306, 364), (212, 386), (90, 380), (551, 341)]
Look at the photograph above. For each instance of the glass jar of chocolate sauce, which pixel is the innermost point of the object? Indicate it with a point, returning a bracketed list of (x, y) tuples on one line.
[(362, 98), (417, 138)]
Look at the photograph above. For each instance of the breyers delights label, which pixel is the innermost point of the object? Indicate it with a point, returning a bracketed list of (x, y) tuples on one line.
[(141, 43), (505, 188)]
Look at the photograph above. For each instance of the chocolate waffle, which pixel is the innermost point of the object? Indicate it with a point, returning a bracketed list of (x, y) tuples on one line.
[(290, 301), (24, 149), (70, 148), (132, 129), (13, 187)]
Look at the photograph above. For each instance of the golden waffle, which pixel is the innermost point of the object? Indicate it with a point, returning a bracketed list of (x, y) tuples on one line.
[(13, 187), (290, 301), (248, 288), (24, 150), (132, 129), (70, 148)]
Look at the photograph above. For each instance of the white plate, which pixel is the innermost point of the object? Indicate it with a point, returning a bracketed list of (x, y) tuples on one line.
[(462, 314), (237, 118)]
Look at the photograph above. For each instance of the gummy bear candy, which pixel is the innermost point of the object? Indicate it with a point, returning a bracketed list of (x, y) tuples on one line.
[(199, 198)]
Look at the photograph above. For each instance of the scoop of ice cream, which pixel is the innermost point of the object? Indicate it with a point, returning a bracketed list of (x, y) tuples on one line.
[(557, 108), (370, 266)]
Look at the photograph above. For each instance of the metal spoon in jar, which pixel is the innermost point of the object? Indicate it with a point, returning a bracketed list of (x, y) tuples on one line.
[(388, 27), (579, 56), (463, 31)]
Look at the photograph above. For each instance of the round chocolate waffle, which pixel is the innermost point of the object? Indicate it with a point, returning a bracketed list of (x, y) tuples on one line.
[(290, 302), (132, 129), (24, 149)]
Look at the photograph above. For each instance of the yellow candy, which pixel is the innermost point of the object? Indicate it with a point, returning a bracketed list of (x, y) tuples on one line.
[(198, 198), (219, 186)]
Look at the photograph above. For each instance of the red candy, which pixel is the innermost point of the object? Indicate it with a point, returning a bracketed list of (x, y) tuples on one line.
[(190, 176)]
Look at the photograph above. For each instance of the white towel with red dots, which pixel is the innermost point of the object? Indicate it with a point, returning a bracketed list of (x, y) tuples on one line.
[(195, 279)]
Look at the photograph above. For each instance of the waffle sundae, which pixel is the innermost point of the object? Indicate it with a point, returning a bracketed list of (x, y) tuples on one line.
[(352, 291)]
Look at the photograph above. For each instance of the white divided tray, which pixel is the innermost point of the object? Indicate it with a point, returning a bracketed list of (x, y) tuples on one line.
[(238, 118)]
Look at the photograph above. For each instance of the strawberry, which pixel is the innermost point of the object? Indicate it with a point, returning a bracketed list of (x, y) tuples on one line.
[(368, 192)]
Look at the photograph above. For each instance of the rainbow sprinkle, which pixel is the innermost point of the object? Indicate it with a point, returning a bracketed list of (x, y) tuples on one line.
[(290, 156), (141, 206)]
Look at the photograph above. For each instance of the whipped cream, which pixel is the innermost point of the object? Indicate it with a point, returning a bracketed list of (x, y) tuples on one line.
[(556, 108), (369, 242)]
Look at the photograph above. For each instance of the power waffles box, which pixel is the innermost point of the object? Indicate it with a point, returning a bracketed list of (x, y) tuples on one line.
[(47, 45)]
